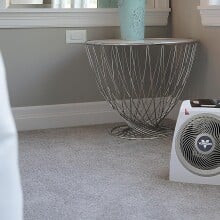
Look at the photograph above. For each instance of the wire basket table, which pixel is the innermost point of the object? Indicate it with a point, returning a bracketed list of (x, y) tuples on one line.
[(142, 80)]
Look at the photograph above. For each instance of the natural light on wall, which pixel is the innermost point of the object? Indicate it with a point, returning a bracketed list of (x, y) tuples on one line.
[(214, 2), (210, 12)]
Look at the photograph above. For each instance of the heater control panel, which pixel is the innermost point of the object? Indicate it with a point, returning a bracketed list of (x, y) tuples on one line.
[(205, 103)]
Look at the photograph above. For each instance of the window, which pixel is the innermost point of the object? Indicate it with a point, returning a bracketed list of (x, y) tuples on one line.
[(85, 4), (210, 12), (73, 13), (56, 3), (214, 2), (26, 2)]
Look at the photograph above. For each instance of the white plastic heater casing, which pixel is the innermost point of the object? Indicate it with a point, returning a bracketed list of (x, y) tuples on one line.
[(178, 172)]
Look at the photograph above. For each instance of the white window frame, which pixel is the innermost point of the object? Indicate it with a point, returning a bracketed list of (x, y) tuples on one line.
[(210, 14), (156, 15)]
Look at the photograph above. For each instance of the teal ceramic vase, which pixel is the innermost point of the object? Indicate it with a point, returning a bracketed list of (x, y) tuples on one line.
[(132, 19)]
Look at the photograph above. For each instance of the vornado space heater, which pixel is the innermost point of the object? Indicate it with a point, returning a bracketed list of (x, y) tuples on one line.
[(195, 155)]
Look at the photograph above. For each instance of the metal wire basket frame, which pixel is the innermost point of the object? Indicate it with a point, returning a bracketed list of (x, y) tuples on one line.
[(142, 80)]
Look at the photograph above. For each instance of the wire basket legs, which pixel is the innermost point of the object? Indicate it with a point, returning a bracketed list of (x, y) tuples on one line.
[(142, 83)]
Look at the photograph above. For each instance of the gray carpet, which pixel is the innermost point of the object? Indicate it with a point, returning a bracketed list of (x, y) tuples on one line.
[(85, 174)]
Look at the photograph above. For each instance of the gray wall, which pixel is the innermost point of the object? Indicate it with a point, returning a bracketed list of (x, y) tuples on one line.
[(186, 22), (43, 70)]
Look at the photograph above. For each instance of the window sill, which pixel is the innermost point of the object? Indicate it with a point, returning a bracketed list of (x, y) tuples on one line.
[(210, 15), (36, 18)]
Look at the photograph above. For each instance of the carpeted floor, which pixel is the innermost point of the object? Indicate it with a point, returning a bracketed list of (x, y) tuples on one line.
[(86, 174)]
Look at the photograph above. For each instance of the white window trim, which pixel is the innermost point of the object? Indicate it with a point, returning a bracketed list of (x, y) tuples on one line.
[(210, 14), (35, 18)]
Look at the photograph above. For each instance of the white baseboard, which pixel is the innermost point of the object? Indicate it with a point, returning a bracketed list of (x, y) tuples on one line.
[(65, 115), (68, 115)]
